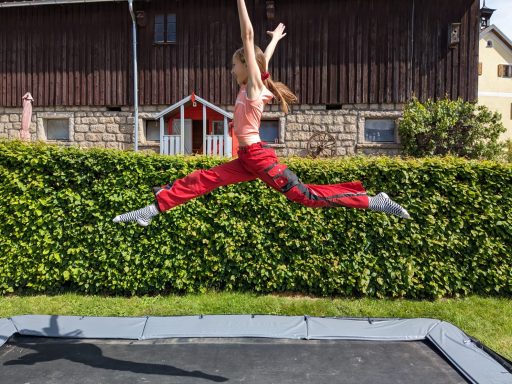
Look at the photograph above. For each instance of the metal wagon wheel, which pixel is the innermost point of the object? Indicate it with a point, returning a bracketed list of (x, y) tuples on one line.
[(321, 144)]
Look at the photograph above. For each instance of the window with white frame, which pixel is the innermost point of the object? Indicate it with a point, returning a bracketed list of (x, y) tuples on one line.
[(56, 129), (152, 132), (379, 130), (176, 126), (505, 70), (165, 28), (217, 127), (269, 131)]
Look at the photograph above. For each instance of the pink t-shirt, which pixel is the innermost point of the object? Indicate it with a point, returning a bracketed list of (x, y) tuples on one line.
[(247, 115)]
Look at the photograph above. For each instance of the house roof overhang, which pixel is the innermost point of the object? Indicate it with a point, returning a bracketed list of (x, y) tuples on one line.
[(494, 29)]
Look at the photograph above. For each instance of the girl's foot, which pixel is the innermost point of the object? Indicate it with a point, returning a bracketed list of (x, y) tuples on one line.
[(142, 216), (383, 203)]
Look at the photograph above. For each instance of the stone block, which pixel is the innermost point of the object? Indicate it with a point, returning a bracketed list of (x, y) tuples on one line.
[(92, 137), (108, 137), (113, 128), (81, 128), (97, 128)]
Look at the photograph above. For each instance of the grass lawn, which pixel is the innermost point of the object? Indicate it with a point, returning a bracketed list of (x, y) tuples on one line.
[(487, 319)]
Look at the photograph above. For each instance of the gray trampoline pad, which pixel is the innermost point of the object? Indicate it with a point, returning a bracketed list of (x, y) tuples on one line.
[(37, 360)]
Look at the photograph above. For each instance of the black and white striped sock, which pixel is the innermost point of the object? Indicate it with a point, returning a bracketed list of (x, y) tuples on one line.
[(383, 203), (142, 216)]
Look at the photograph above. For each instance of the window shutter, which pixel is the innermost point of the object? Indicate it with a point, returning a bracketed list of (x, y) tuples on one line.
[(501, 70)]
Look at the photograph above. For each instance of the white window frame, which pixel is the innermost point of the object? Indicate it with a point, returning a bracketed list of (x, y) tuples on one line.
[(279, 129), (380, 142), (146, 130), (219, 123), (42, 117), (507, 71)]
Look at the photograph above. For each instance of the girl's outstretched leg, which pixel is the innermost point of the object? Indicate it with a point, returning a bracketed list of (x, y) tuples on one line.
[(142, 216), (196, 183), (382, 203), (349, 194)]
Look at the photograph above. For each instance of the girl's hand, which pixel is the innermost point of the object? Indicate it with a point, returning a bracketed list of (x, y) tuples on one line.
[(277, 33)]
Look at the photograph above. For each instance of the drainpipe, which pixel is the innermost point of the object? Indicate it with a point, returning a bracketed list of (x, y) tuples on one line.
[(134, 32), (135, 77), (411, 69)]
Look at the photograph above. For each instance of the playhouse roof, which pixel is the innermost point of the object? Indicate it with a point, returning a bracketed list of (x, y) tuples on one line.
[(198, 99)]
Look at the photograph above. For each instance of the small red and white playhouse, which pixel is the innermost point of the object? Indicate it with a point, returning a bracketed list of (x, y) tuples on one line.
[(196, 126)]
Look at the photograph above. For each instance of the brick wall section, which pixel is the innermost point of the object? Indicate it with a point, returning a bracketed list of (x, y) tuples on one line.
[(98, 127)]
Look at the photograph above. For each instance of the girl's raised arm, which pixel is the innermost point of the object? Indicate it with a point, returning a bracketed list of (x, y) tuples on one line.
[(277, 35), (254, 82)]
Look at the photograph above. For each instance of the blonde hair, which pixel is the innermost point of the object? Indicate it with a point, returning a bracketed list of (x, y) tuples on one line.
[(280, 91)]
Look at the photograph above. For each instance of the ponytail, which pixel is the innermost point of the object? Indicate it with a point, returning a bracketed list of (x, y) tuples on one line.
[(282, 93)]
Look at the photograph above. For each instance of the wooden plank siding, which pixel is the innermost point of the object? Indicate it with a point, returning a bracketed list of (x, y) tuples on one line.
[(335, 52), (66, 55)]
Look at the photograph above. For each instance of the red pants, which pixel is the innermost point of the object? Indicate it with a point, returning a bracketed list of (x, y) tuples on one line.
[(258, 161)]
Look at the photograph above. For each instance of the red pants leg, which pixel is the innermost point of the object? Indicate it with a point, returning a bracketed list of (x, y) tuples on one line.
[(200, 182), (264, 163), (259, 161)]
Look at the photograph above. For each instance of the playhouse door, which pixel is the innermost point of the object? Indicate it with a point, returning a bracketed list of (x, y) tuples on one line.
[(197, 136), (188, 133)]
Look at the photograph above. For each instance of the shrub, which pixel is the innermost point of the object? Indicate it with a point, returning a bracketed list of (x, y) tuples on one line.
[(507, 155), (57, 234), (451, 127)]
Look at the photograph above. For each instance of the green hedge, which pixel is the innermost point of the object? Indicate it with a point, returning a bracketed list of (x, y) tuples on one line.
[(57, 234)]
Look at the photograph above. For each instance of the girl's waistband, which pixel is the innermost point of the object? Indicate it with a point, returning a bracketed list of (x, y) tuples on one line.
[(261, 144)]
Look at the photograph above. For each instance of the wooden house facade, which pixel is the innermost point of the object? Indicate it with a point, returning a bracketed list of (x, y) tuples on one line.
[(352, 64)]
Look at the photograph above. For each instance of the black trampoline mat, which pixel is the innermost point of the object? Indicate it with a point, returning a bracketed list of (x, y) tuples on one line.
[(37, 360)]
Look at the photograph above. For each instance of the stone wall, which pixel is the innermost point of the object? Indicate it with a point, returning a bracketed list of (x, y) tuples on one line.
[(88, 127), (99, 127)]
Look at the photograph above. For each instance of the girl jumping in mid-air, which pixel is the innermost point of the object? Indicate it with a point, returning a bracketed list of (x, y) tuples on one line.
[(256, 160)]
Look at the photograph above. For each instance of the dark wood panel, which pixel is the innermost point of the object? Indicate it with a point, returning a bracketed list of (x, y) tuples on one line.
[(335, 52), (65, 55)]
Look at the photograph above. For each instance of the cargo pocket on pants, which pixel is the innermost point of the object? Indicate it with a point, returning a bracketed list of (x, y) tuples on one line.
[(284, 177)]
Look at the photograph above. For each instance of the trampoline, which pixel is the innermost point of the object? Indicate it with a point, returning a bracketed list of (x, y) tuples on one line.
[(242, 348)]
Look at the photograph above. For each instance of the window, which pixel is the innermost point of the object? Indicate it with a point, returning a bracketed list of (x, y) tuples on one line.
[(379, 130), (171, 28), (57, 129), (269, 131), (165, 28), (152, 130), (504, 70), (480, 68), (218, 127), (489, 44), (176, 126)]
